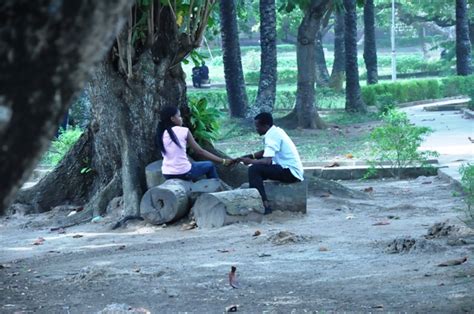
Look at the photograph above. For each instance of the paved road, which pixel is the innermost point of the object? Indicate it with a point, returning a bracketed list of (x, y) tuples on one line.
[(450, 137)]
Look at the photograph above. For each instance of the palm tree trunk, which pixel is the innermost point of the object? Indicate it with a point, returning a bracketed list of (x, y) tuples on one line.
[(370, 49), (463, 44), (322, 73), (339, 66), (234, 76), (354, 102), (268, 67)]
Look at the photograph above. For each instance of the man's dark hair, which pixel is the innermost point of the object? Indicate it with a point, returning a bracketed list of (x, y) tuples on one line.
[(264, 118)]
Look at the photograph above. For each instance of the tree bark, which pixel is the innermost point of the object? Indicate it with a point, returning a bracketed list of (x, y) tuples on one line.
[(306, 113), (322, 73), (339, 66), (463, 44), (268, 67), (354, 102), (370, 48), (47, 49), (120, 136), (222, 208), (233, 73)]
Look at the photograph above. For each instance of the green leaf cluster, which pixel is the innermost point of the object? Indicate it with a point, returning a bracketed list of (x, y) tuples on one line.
[(395, 144), (60, 146), (204, 121), (467, 182)]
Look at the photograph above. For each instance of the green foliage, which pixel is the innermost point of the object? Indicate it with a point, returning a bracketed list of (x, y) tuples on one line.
[(287, 76), (396, 143), (204, 120), (467, 182), (422, 89), (61, 146)]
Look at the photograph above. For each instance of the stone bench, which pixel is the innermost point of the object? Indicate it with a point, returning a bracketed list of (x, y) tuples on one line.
[(286, 196)]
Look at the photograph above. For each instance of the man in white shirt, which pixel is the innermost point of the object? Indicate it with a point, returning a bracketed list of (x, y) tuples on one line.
[(278, 161)]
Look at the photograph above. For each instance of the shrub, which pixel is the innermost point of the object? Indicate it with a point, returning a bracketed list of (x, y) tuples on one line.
[(204, 121), (467, 182), (419, 89), (285, 76), (61, 145), (396, 144)]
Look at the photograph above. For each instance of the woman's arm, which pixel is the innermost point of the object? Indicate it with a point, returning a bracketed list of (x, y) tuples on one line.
[(204, 153)]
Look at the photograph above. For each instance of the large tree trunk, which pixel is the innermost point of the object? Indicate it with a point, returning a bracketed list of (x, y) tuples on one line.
[(47, 49), (354, 102), (306, 113), (234, 76), (322, 73), (370, 48), (463, 44), (119, 140), (339, 66), (268, 56)]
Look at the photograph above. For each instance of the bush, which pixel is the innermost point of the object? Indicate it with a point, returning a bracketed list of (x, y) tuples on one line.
[(467, 182), (396, 143), (421, 89), (61, 145), (204, 121)]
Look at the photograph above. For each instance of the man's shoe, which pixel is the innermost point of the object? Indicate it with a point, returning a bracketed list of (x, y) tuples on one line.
[(268, 210)]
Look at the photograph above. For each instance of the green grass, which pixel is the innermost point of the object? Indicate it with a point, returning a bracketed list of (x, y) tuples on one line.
[(351, 136)]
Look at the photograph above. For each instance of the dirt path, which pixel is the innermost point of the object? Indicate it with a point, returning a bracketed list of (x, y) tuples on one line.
[(334, 258)]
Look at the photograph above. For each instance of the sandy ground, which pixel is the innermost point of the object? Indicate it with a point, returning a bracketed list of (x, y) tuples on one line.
[(332, 259)]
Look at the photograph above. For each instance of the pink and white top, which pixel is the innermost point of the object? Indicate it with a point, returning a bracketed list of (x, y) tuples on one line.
[(175, 160)]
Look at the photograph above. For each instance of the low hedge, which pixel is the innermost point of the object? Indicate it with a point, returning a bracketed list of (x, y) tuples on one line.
[(422, 89)]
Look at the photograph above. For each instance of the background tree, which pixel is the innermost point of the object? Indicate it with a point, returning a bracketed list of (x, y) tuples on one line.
[(141, 73), (339, 65), (234, 75), (47, 49), (322, 73), (370, 48), (305, 115), (354, 102), (268, 56), (463, 44)]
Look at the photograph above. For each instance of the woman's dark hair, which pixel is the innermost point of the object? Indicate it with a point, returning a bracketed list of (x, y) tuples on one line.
[(166, 124)]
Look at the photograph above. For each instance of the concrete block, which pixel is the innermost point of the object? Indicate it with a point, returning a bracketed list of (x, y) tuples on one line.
[(287, 196)]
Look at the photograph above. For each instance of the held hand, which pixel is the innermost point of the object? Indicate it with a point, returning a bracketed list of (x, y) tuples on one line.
[(246, 160)]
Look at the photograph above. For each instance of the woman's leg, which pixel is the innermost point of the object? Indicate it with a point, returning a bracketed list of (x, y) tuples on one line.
[(201, 168)]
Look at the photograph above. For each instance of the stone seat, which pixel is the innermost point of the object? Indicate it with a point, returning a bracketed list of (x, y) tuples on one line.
[(286, 196)]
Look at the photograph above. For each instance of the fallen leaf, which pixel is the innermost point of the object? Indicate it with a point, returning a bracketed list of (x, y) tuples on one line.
[(223, 251), (233, 278), (189, 226), (325, 195), (39, 241), (378, 306), (393, 217), (334, 164), (264, 255), (232, 308), (381, 223), (323, 249), (257, 233), (369, 189), (76, 236), (426, 182), (350, 156), (137, 270), (122, 247), (453, 262)]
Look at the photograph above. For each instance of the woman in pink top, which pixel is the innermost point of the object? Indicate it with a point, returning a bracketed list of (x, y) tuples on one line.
[(172, 139)]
